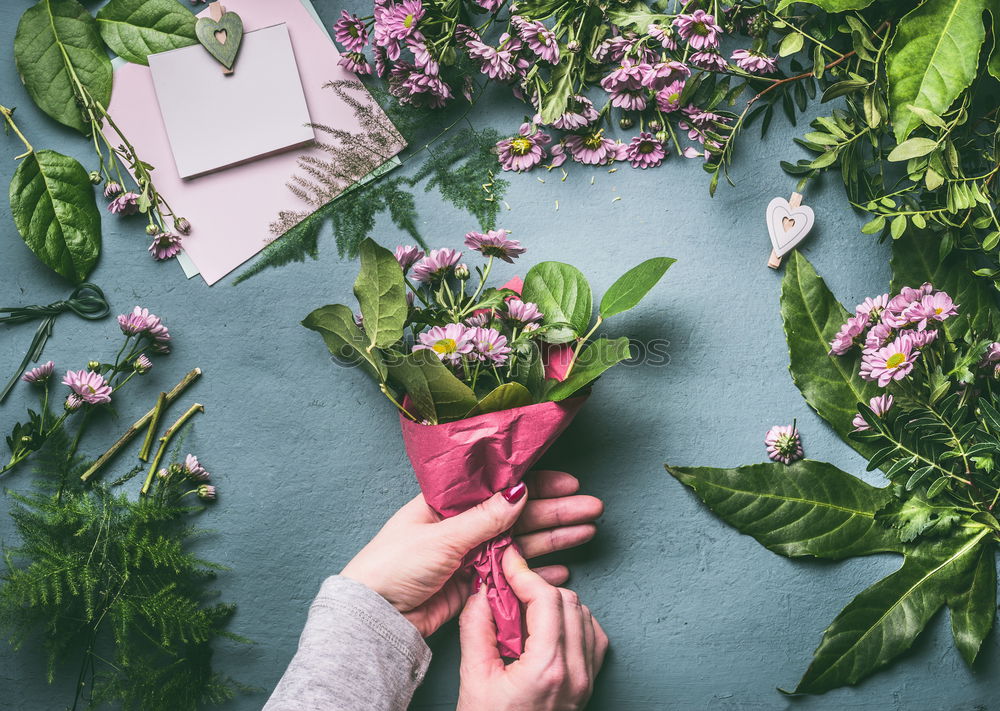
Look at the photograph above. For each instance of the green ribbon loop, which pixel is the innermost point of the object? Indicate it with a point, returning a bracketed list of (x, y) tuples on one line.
[(87, 301)]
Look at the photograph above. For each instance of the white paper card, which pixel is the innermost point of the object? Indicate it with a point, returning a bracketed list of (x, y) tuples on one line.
[(214, 121)]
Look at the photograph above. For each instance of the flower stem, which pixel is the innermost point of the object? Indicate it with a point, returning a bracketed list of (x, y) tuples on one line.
[(579, 346), (154, 425), (165, 440), (8, 114)]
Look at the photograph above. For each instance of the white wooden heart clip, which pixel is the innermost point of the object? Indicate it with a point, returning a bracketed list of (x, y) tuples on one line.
[(788, 223)]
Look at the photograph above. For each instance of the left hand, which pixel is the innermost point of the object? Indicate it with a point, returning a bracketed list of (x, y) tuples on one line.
[(414, 561)]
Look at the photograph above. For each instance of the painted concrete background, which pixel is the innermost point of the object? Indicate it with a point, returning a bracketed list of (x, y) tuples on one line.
[(309, 461)]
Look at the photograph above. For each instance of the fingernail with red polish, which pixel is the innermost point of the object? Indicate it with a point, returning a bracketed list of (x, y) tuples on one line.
[(515, 493)]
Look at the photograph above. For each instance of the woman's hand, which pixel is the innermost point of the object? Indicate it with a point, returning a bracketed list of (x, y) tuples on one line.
[(413, 562), (562, 655)]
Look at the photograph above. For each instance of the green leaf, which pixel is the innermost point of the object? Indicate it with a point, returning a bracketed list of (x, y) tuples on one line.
[(633, 285), (828, 5), (933, 59), (876, 224), (561, 292), (556, 99), (439, 395), (993, 64), (911, 148), (830, 384), (55, 37), (915, 516), (883, 621), (135, 29), (804, 509), (928, 117), (592, 362), (974, 611), (791, 44), (915, 261), (52, 202), (381, 293), (503, 397), (335, 323), (638, 16)]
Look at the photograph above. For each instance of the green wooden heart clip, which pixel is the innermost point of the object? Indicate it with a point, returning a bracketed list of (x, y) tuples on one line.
[(221, 34)]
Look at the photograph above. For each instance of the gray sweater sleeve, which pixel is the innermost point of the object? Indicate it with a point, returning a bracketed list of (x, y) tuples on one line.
[(356, 652)]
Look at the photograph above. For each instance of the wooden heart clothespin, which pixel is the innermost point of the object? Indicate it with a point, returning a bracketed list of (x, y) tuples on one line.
[(788, 223), (221, 34)]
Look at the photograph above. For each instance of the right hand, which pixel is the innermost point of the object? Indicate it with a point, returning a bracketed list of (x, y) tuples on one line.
[(562, 655)]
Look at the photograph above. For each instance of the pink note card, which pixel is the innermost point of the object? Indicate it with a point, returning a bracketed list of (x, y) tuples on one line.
[(237, 211)]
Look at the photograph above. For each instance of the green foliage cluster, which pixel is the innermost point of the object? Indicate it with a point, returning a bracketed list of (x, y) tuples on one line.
[(938, 447)]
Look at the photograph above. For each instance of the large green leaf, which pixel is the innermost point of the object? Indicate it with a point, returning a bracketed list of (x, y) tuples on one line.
[(591, 363), (135, 29), (503, 397), (915, 260), (381, 292), (56, 39), (973, 612), (557, 97), (883, 621), (633, 285), (933, 59), (637, 15), (828, 5), (335, 323), (561, 292), (52, 201), (804, 509), (993, 64), (812, 316), (437, 394)]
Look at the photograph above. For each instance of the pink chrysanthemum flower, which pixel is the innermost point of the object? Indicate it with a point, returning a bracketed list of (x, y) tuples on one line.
[(142, 364), (349, 31), (423, 57), (895, 311), (879, 404), (662, 74), (156, 329), (132, 324), (524, 151), (630, 99), (39, 374), (847, 334), (397, 21), (784, 444), (112, 189), (494, 63), (165, 245), (490, 345), (754, 62), (479, 320), (893, 362), (668, 99), (579, 112), (412, 86), (613, 49), (193, 468), (663, 35), (207, 491), (355, 62), (73, 402), (490, 5), (88, 386), (878, 336), (540, 39), (709, 59), (645, 151), (698, 29), (922, 338), (627, 76), (872, 307), (125, 204), (495, 244), (931, 307), (449, 342), (992, 354), (408, 255), (591, 148), (436, 265), (523, 311)]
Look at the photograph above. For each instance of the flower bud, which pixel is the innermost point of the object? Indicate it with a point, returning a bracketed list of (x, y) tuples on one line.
[(94, 365), (655, 126), (206, 491), (573, 46), (142, 364), (152, 230), (182, 225), (73, 402), (626, 122), (462, 272), (662, 135), (95, 177), (112, 189), (162, 474)]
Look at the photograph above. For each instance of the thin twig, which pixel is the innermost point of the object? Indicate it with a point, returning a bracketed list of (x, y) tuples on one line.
[(165, 440), (154, 424)]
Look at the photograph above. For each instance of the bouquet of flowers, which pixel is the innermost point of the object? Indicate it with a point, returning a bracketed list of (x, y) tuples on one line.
[(484, 378)]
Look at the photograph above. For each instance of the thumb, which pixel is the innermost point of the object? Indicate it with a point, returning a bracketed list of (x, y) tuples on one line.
[(478, 635), (487, 520)]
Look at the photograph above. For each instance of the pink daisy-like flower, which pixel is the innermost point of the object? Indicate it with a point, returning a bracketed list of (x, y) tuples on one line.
[(436, 265), (878, 336), (479, 320), (133, 323), (627, 76), (872, 307), (645, 151), (207, 491), (142, 364), (408, 255), (922, 338), (349, 31), (663, 35), (73, 402), (524, 151), (523, 311), (754, 62), (698, 29), (112, 189), (423, 57), (490, 5), (579, 112), (847, 334), (591, 148), (494, 63), (992, 354), (156, 329), (414, 87), (879, 404), (613, 49), (893, 362), (397, 21), (668, 99), (495, 244), (540, 40), (931, 307), (193, 468), (784, 444), (355, 62), (490, 345), (894, 313), (88, 386), (449, 342), (662, 74), (165, 246), (39, 374), (709, 59), (125, 204), (630, 99)]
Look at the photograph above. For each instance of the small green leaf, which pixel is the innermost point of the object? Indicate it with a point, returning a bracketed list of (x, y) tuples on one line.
[(898, 226), (633, 285), (828, 5), (52, 202), (381, 293), (335, 323), (557, 97), (592, 362), (928, 117), (791, 44), (443, 397), (135, 29), (562, 294), (974, 610), (876, 224), (503, 397), (911, 148)]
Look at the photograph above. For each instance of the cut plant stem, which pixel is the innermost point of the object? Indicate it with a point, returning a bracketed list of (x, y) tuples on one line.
[(154, 424), (132, 431), (165, 441)]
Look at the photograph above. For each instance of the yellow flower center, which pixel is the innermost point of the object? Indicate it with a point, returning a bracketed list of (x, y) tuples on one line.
[(938, 310), (895, 360), (646, 147), (520, 146), (594, 140), (408, 22), (445, 345)]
